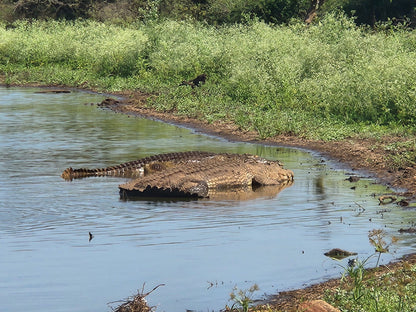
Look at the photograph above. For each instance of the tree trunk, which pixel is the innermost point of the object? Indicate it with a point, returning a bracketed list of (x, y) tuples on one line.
[(312, 11)]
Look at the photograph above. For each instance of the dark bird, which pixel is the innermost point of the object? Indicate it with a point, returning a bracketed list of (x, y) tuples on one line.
[(91, 236), (197, 82)]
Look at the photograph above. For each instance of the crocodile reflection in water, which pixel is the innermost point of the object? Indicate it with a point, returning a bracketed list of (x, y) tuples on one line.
[(196, 175)]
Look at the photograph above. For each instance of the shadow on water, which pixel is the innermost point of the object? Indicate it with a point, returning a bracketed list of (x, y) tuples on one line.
[(230, 194), (200, 249)]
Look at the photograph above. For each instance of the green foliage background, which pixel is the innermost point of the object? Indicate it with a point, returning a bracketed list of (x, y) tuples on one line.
[(329, 80), (210, 11)]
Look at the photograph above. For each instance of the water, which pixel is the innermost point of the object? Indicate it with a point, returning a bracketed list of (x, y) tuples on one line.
[(200, 250)]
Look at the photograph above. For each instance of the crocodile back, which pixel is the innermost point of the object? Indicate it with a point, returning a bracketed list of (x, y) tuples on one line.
[(132, 169), (208, 175)]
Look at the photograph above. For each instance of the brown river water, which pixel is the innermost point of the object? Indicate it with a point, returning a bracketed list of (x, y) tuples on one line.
[(200, 249)]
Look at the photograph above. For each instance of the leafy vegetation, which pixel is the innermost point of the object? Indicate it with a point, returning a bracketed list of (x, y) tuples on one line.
[(362, 290), (377, 239), (242, 299), (293, 79), (402, 154), (371, 12), (391, 291)]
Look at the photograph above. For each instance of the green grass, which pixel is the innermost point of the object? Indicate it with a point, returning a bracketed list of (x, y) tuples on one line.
[(328, 81), (402, 154), (373, 291), (392, 291), (381, 289)]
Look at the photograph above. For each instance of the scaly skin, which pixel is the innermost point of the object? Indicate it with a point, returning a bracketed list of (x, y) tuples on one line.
[(208, 176), (132, 169), (194, 174)]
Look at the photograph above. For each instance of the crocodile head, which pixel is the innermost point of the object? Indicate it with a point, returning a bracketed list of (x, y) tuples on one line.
[(266, 172)]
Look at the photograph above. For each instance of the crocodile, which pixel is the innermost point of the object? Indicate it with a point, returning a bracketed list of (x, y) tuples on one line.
[(195, 174)]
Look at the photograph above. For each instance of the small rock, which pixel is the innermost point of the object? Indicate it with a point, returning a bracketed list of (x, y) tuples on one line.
[(353, 179), (403, 203), (317, 306), (339, 254)]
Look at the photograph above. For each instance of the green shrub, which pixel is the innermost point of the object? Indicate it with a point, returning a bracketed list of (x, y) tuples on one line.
[(88, 46), (293, 79)]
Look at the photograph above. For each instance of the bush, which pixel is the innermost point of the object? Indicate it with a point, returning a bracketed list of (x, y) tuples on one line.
[(87, 46), (293, 79)]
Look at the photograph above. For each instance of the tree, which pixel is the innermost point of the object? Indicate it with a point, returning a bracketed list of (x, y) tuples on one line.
[(56, 9), (371, 11)]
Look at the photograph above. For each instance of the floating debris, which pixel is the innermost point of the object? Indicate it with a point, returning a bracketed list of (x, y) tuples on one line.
[(386, 199), (409, 230), (353, 179), (137, 303)]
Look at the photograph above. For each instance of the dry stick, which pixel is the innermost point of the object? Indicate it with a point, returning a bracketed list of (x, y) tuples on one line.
[(139, 298)]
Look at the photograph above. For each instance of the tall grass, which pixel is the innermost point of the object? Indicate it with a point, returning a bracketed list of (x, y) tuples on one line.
[(89, 47), (329, 80)]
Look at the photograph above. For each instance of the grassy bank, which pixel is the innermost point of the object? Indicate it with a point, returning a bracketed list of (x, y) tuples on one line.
[(325, 81), (376, 290)]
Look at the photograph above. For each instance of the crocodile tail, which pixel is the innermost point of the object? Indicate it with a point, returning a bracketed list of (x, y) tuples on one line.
[(131, 169), (70, 173)]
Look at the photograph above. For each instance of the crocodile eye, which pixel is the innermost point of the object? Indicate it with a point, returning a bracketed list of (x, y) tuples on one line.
[(156, 167)]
